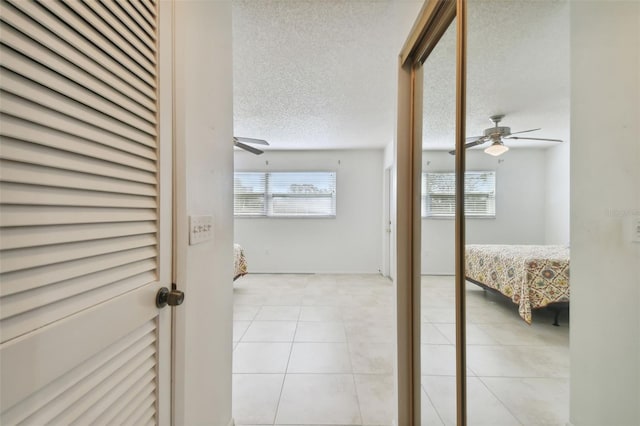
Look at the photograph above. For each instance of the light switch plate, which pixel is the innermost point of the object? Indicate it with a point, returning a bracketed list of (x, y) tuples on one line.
[(634, 228), (200, 229)]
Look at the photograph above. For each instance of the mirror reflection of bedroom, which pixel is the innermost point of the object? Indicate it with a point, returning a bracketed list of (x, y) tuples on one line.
[(517, 217), (313, 317)]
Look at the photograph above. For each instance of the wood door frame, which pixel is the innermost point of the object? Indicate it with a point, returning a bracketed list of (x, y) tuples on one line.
[(432, 22)]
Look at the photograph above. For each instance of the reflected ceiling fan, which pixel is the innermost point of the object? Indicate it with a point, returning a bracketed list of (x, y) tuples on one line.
[(243, 143), (497, 135)]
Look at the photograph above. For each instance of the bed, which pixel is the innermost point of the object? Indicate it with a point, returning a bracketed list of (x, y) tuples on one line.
[(532, 276), (239, 262)]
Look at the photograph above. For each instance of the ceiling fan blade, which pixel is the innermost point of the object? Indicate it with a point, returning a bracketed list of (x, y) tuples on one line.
[(473, 138), (534, 139), (251, 140), (478, 141), (247, 147), (525, 131)]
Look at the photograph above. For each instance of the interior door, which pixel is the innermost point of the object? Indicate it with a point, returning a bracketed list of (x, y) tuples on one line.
[(386, 268), (84, 244)]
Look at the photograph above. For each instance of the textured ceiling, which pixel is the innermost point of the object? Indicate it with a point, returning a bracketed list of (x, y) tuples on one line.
[(321, 74)]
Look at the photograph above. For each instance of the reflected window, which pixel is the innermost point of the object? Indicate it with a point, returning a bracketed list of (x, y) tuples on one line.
[(439, 194)]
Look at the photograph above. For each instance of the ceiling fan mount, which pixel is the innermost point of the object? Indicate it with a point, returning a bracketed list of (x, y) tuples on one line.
[(497, 135), (497, 130), (244, 143)]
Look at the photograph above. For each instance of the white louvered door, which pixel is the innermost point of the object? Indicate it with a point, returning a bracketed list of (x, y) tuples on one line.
[(84, 245)]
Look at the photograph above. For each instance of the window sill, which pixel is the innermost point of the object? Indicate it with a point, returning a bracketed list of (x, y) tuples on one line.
[(286, 217), (453, 217)]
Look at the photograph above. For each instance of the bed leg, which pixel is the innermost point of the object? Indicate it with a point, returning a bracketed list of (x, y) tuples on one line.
[(555, 318)]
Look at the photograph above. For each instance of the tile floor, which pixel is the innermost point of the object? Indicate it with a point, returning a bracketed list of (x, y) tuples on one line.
[(318, 350)]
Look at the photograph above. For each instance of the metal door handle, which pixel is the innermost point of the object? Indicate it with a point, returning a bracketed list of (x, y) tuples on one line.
[(166, 297)]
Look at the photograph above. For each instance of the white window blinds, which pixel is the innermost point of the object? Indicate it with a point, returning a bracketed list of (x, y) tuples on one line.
[(249, 194), (285, 194), (438, 194)]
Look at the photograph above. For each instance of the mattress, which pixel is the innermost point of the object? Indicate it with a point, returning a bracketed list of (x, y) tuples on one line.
[(532, 276), (239, 262)]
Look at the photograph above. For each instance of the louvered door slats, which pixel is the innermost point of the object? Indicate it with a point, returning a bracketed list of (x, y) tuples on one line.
[(137, 17), (31, 39), (19, 215), (50, 401), (117, 38), (62, 31), (126, 20), (21, 302), (149, 6), (21, 130), (55, 340), (44, 315), (134, 369), (37, 73), (18, 42), (15, 282), (15, 260), (146, 418), (18, 151), (125, 32), (13, 238), (64, 14), (49, 99), (41, 195), (79, 212), (33, 114), (142, 11), (142, 393), (121, 364), (139, 371), (13, 171), (122, 411)]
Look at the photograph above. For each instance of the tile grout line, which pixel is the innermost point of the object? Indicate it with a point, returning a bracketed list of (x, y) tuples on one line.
[(353, 375), (286, 369), (432, 405), (506, 407), (250, 324)]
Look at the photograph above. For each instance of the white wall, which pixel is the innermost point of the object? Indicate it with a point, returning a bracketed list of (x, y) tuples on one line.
[(204, 186), (388, 156), (349, 243), (605, 166), (557, 194), (520, 206)]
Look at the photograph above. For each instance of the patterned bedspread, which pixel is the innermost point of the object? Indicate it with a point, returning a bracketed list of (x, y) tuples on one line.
[(532, 276), (239, 262)]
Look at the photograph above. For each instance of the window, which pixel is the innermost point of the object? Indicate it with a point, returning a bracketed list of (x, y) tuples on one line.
[(285, 194), (438, 194), (249, 194)]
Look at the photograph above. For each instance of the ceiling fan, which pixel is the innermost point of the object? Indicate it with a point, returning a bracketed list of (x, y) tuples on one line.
[(242, 143), (497, 135)]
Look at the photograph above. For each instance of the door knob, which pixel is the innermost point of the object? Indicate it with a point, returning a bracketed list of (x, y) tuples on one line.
[(166, 297)]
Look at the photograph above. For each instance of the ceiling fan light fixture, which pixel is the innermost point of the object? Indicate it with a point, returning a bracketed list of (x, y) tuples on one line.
[(496, 149)]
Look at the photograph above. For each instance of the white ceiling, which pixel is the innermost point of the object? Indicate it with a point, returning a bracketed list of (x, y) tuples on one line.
[(321, 74)]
